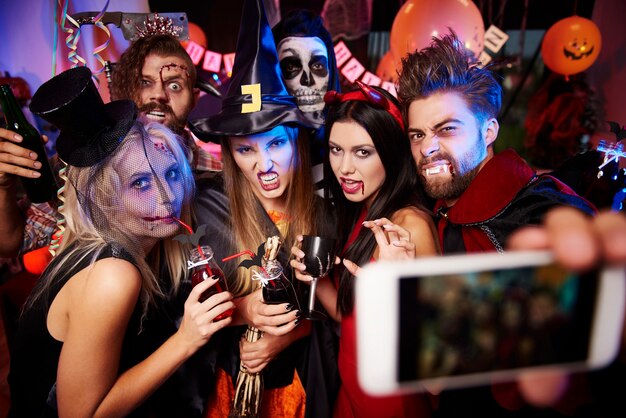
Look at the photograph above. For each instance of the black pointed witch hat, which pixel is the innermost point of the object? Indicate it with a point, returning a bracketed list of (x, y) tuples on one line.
[(257, 99)]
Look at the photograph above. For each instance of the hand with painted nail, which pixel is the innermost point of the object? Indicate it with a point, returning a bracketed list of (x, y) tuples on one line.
[(16, 160), (299, 267), (199, 322), (394, 242), (257, 355), (278, 319)]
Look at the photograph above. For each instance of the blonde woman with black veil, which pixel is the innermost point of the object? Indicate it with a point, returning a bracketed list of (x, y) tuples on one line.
[(79, 349)]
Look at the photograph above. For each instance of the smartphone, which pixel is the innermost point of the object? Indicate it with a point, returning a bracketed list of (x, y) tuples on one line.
[(466, 320)]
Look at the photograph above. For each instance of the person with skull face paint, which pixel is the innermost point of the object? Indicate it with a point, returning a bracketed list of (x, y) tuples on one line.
[(309, 69), (307, 61), (304, 64)]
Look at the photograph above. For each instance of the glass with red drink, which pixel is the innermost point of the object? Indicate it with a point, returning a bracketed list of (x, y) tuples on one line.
[(278, 288), (202, 266)]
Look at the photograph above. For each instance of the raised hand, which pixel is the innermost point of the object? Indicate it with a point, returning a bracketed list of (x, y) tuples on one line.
[(577, 242), (198, 324), (278, 319), (16, 160), (394, 242)]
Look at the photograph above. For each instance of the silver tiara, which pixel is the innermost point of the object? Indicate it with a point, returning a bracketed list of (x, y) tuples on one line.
[(158, 25)]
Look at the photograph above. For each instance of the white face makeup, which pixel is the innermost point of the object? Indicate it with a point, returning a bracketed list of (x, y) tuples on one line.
[(152, 189), (304, 64)]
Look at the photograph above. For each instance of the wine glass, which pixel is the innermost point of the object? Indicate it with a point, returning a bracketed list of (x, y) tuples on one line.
[(203, 266), (319, 258)]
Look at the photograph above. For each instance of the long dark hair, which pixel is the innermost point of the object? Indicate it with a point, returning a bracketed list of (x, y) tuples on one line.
[(400, 189)]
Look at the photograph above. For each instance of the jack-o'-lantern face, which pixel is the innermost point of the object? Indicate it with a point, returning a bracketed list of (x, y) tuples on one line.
[(571, 45), (578, 49)]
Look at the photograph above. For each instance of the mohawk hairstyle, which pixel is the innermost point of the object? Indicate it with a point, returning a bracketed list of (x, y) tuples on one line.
[(126, 79), (447, 66)]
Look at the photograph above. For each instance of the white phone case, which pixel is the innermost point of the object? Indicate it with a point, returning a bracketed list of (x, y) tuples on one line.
[(377, 313)]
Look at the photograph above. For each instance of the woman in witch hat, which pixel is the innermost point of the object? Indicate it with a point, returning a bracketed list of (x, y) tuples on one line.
[(267, 191), (380, 216), (80, 345)]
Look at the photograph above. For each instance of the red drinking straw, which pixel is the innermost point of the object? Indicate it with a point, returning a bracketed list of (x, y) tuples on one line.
[(230, 257)]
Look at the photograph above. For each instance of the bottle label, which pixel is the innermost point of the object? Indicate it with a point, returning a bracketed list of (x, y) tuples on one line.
[(192, 264)]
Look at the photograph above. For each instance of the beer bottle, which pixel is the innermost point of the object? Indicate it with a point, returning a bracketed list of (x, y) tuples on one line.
[(39, 189)]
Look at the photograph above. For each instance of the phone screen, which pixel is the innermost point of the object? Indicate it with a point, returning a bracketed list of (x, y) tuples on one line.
[(486, 321)]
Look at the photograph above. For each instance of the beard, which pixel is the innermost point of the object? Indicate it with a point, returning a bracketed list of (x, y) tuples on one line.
[(452, 188), (175, 123), (462, 172)]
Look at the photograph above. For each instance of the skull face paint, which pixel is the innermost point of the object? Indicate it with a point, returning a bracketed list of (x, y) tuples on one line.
[(304, 66)]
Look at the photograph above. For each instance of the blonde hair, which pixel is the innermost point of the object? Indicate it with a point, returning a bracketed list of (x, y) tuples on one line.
[(91, 225), (248, 225)]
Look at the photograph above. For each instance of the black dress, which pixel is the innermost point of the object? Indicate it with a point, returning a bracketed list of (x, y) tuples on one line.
[(35, 357), (315, 356)]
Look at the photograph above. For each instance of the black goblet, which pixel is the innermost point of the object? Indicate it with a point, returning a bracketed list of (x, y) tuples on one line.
[(319, 258)]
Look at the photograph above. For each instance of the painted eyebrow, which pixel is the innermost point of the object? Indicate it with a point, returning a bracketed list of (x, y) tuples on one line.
[(314, 52), (142, 174), (293, 51), (358, 146)]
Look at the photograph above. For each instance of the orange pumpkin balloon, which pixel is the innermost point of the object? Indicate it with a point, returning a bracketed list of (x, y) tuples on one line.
[(36, 261), (197, 35), (418, 21), (571, 45)]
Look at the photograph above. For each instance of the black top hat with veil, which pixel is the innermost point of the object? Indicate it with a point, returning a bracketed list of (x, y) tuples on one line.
[(257, 99), (90, 129)]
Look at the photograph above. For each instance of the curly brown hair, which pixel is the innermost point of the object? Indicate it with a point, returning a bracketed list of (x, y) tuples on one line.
[(447, 66), (126, 78)]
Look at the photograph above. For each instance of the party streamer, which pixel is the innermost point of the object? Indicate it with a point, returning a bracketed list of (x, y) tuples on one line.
[(58, 235)]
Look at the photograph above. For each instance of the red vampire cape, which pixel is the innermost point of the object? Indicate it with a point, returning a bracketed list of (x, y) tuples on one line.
[(505, 194)]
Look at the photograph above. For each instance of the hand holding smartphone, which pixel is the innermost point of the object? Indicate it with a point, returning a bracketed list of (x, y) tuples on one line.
[(466, 320)]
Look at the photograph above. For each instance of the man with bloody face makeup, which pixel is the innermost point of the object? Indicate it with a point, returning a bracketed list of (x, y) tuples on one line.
[(451, 104), (158, 75)]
